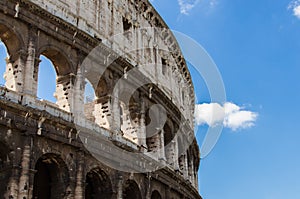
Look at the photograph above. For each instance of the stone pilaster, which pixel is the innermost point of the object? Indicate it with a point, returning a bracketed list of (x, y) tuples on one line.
[(78, 105), (80, 178), (30, 83), (13, 183), (186, 167), (162, 154), (142, 134), (120, 188), (176, 164), (24, 181), (115, 122)]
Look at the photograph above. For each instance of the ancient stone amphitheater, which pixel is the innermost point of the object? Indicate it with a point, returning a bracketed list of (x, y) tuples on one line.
[(135, 140)]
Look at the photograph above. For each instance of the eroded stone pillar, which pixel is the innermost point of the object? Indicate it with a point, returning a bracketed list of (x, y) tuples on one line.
[(191, 172), (14, 74), (186, 167), (142, 133), (80, 178), (25, 173), (13, 185), (103, 112), (116, 113), (175, 159), (162, 146), (130, 122), (78, 97), (120, 188), (65, 91), (30, 71)]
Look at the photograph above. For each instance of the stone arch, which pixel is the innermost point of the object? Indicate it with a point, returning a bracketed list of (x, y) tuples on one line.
[(51, 178), (131, 190), (61, 63), (13, 75), (155, 195), (98, 185), (101, 87), (65, 79), (5, 164), (12, 40)]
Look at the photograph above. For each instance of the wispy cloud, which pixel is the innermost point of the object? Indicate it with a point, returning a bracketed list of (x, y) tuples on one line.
[(295, 6), (230, 115), (187, 5)]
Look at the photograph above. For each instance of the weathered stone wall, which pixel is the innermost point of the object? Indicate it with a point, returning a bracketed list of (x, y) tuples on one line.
[(41, 140), (104, 19)]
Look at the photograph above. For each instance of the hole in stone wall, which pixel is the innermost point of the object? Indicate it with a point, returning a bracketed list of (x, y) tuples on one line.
[(164, 66), (89, 93), (51, 177), (126, 24), (131, 190), (97, 185), (46, 80), (3, 56), (155, 195)]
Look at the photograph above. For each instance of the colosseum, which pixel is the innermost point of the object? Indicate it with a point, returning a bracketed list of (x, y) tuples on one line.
[(133, 140)]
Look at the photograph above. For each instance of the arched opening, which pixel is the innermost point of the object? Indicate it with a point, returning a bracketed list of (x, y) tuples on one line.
[(131, 190), (101, 88), (169, 143), (51, 178), (3, 56), (89, 93), (55, 64), (5, 168), (89, 101), (152, 135), (98, 185), (155, 195), (10, 71), (47, 80), (154, 128)]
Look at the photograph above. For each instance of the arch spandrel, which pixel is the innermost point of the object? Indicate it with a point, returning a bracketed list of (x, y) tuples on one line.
[(10, 36)]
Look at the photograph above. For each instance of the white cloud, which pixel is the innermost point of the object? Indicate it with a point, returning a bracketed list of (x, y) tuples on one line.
[(297, 11), (295, 6), (187, 5), (230, 115)]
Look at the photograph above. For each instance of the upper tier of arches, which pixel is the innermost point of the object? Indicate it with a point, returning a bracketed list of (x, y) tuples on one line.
[(67, 51)]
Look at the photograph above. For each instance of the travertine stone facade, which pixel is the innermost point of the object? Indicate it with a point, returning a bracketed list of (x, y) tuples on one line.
[(43, 146)]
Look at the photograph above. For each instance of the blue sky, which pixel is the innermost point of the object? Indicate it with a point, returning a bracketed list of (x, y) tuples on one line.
[(256, 46)]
